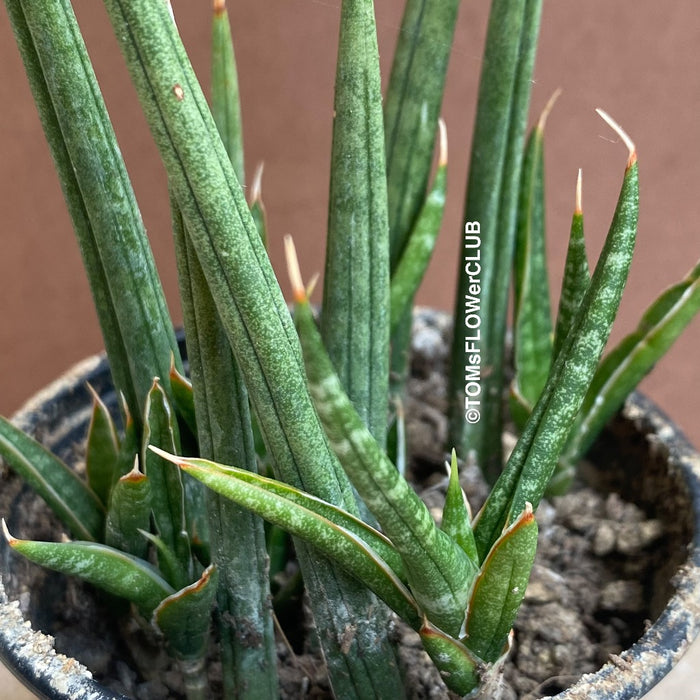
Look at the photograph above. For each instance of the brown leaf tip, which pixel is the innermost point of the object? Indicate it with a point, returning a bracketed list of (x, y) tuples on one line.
[(293, 270), (135, 476), (256, 187), (579, 193), (165, 455), (93, 394), (442, 162), (547, 109), (8, 537), (528, 515), (632, 149)]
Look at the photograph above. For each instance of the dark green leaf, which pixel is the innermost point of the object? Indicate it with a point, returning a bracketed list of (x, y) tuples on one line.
[(629, 362), (271, 501), (129, 512), (532, 336), (102, 449), (107, 568), (412, 108), (499, 589), (167, 490), (225, 101), (490, 216), (438, 570), (137, 328), (456, 516), (184, 617), (535, 456), (168, 564), (235, 535), (128, 448), (68, 496), (375, 540), (458, 667), (410, 269), (257, 208), (183, 399), (576, 275)]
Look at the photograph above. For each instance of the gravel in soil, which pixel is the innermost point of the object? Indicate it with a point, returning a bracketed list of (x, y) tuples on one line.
[(589, 596)]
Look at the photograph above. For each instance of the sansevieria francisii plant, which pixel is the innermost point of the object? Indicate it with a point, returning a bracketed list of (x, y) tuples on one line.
[(293, 422)]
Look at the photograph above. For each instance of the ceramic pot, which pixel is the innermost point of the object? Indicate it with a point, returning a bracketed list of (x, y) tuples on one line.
[(647, 459), (642, 455), (58, 416)]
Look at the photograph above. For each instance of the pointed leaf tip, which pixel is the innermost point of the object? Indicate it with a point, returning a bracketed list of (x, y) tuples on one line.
[(165, 455), (219, 7), (442, 161), (8, 537), (632, 159), (256, 185), (93, 394), (135, 474), (173, 370), (579, 193), (548, 108), (528, 514), (294, 271)]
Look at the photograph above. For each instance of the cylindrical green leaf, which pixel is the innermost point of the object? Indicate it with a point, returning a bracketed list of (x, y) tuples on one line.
[(583, 350), (257, 207), (412, 108), (438, 571), (456, 516), (535, 456), (459, 668), (184, 620), (411, 111), (257, 322), (114, 245), (486, 252), (629, 362), (532, 325), (355, 318), (183, 399), (102, 449), (184, 617), (237, 537), (114, 344), (410, 269), (225, 100), (167, 490)]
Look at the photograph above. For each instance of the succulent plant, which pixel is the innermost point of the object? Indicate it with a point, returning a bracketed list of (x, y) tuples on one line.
[(167, 514)]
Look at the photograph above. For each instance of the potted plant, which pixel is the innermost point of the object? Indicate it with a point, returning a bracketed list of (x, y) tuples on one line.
[(150, 533)]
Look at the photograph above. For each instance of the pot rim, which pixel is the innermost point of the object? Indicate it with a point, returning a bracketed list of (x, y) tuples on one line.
[(640, 667), (30, 655)]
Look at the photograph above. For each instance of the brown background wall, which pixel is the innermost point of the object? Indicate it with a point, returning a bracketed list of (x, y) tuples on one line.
[(636, 59)]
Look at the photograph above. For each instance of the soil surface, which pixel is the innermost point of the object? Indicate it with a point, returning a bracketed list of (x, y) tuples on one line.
[(592, 591)]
